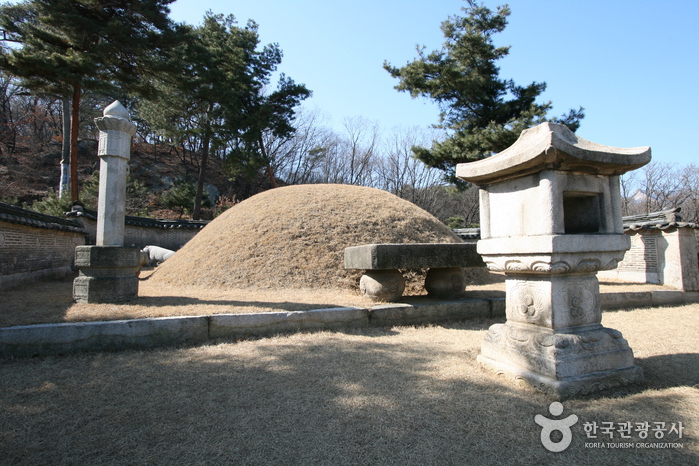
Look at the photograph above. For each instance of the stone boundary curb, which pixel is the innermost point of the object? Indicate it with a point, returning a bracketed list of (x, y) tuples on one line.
[(647, 298), (66, 338)]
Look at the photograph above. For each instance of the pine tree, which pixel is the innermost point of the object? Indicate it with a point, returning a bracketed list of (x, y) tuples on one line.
[(215, 96), (482, 113), (68, 46)]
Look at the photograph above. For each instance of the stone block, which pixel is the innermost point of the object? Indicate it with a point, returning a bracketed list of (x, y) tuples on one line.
[(104, 289), (497, 307), (237, 325), (412, 256), (112, 257), (108, 274), (627, 299), (445, 283), (561, 364), (382, 285), (555, 302), (46, 339), (691, 297), (428, 312), (666, 298)]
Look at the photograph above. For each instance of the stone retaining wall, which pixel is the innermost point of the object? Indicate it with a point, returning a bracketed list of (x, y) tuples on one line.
[(46, 339)]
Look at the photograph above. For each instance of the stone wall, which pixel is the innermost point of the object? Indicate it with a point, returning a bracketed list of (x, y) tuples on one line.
[(641, 262), (663, 251), (141, 232), (664, 257), (35, 246)]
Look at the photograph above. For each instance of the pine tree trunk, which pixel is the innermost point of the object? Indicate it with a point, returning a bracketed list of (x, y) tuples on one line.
[(64, 183), (196, 213), (74, 120), (270, 173)]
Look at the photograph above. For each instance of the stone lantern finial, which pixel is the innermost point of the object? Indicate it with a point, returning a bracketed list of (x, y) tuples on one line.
[(115, 109)]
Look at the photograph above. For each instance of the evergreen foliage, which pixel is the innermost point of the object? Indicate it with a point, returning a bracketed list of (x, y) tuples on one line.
[(56, 205), (181, 197), (52, 204), (483, 113), (214, 96), (68, 46), (136, 195)]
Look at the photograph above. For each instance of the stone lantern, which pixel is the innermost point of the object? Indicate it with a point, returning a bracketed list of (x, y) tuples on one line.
[(550, 210)]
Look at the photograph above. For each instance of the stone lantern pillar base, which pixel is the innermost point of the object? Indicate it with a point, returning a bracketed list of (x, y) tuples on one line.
[(553, 338), (108, 274), (561, 365)]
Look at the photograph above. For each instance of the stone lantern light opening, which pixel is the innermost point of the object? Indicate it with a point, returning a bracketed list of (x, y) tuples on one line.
[(550, 209)]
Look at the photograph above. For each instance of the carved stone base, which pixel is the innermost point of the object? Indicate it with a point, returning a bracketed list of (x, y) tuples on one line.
[(382, 285), (108, 274), (560, 364), (555, 302), (445, 283)]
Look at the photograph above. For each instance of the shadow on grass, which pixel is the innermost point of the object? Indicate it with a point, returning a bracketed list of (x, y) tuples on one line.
[(412, 397), (39, 302), (671, 370), (162, 301)]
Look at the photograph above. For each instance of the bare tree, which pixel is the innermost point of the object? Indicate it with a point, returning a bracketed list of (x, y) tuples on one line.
[(690, 187), (399, 172), (661, 186), (297, 159), (350, 157), (358, 151), (631, 195)]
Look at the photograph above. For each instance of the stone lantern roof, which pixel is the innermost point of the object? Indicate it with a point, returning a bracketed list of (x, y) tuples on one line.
[(551, 146)]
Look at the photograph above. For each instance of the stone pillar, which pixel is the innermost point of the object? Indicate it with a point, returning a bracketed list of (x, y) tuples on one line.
[(108, 270), (114, 151), (681, 270), (550, 204)]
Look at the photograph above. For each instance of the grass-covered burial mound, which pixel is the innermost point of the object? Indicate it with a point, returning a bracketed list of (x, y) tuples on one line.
[(295, 237)]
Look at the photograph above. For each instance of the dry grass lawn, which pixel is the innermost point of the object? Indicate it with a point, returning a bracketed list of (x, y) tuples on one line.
[(401, 395), (52, 301)]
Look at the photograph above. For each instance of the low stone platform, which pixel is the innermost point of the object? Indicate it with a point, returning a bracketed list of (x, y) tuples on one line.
[(66, 338), (382, 280)]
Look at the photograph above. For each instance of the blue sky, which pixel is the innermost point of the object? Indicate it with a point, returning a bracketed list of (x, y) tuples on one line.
[(632, 64)]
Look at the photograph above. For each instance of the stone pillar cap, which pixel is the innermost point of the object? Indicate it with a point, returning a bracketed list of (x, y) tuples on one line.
[(116, 118), (551, 146), (115, 109)]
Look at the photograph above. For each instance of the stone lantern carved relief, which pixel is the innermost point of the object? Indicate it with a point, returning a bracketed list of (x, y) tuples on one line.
[(551, 218)]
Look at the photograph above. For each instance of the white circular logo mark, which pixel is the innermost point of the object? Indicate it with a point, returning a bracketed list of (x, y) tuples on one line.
[(561, 425)]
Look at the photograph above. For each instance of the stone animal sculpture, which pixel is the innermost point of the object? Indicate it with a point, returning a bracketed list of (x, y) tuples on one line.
[(156, 255)]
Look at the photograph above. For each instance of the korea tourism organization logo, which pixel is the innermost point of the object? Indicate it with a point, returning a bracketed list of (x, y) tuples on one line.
[(549, 426), (649, 434)]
